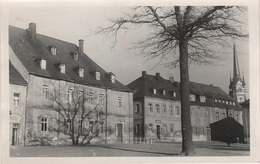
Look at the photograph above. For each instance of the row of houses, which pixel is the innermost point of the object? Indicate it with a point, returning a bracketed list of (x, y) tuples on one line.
[(59, 95)]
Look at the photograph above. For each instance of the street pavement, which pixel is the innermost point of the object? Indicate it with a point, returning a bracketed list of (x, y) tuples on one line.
[(162, 149)]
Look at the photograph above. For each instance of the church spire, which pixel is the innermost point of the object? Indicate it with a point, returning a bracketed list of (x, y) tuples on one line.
[(236, 71)]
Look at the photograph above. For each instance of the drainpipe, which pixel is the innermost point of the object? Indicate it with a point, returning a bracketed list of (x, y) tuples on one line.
[(25, 117), (129, 106), (106, 116)]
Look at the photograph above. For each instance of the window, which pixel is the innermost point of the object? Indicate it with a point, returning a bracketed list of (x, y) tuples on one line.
[(164, 109), (69, 125), (119, 99), (101, 125), (200, 131), (69, 94), (150, 107), (113, 78), (164, 92), (165, 128), (177, 110), (234, 103), (91, 126), (230, 114), (81, 72), (202, 99), (237, 118), (157, 107), (174, 94), (137, 128), (91, 98), (191, 112), (151, 127), (206, 113), (224, 115), (80, 127), (226, 102), (200, 112), (223, 101), (53, 50), (80, 94), (171, 109), (154, 91), (45, 91), (17, 99), (101, 99), (75, 56), (216, 100), (171, 128), (97, 75), (44, 124), (137, 106), (62, 68), (192, 97), (217, 116), (43, 64)]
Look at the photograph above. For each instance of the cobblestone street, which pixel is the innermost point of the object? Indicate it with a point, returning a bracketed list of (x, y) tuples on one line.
[(131, 150)]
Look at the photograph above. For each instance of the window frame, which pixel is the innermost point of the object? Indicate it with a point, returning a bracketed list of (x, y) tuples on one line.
[(17, 99), (44, 124), (119, 102), (45, 91)]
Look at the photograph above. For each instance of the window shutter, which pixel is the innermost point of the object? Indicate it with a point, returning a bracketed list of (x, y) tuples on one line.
[(39, 124)]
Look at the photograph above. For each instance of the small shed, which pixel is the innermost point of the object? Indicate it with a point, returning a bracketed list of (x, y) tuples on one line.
[(227, 130)]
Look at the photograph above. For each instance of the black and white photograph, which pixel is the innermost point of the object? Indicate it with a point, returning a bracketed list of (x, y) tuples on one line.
[(130, 82)]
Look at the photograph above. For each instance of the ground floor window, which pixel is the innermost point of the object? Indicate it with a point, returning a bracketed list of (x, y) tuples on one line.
[(137, 128), (171, 128), (101, 127), (91, 126), (44, 124)]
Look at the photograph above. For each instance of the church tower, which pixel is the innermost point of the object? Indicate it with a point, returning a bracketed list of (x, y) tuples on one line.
[(237, 86)]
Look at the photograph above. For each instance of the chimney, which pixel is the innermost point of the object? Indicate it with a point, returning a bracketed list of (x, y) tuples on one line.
[(143, 74), (81, 42), (32, 31), (171, 79), (157, 76)]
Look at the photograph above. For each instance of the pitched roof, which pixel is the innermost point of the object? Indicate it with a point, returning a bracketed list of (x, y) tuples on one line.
[(145, 84), (15, 77), (27, 51)]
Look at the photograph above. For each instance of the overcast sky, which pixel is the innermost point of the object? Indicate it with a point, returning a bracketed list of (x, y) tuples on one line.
[(73, 23)]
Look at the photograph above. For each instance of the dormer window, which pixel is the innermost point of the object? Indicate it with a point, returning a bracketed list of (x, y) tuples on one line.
[(113, 78), (154, 91), (174, 94), (202, 99), (97, 75), (41, 63), (164, 92), (226, 102), (53, 50), (223, 101), (216, 100), (81, 72), (75, 55), (192, 97), (61, 67), (234, 103)]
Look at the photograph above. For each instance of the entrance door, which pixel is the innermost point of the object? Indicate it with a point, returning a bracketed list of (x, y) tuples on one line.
[(208, 134), (158, 129), (119, 132), (15, 134)]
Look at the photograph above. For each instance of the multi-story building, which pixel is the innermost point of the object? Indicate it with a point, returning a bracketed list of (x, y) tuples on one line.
[(17, 93), (64, 84), (157, 108)]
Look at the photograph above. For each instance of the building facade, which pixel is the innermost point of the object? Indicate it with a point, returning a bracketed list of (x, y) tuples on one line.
[(68, 92), (157, 108), (17, 96)]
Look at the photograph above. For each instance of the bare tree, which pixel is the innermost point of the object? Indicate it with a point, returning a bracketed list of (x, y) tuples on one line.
[(198, 33), (75, 110)]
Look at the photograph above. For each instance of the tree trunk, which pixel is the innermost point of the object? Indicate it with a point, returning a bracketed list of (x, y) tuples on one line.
[(187, 144)]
